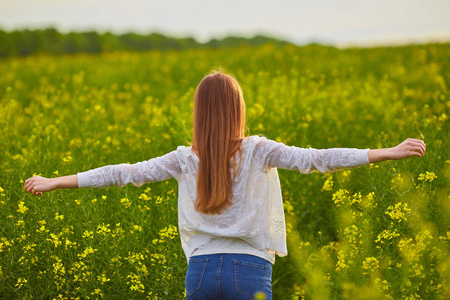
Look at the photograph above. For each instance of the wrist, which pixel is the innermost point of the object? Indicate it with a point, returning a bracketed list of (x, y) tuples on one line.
[(377, 155), (55, 183), (388, 153)]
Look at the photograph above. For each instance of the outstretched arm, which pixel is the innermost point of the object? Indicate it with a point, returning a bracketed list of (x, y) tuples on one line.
[(155, 169), (273, 154)]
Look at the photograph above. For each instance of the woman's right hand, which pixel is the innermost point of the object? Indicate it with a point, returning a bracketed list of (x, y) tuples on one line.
[(38, 184), (409, 147)]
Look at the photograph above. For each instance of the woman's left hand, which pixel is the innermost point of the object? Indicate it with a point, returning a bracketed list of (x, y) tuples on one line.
[(38, 184)]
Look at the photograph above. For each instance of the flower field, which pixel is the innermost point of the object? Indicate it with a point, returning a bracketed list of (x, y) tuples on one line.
[(376, 232)]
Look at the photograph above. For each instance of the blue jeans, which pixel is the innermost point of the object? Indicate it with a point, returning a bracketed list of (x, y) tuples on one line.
[(228, 276)]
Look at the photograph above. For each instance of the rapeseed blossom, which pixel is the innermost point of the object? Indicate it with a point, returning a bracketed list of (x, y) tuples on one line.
[(381, 221), (370, 264), (428, 176), (399, 211), (126, 202), (22, 208), (21, 282)]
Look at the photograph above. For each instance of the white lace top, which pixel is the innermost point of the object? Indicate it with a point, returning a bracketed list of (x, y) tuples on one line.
[(254, 223)]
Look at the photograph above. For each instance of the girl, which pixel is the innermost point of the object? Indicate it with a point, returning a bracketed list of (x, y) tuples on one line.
[(230, 210)]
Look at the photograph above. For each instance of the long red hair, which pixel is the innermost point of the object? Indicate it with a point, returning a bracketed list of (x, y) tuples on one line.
[(219, 123)]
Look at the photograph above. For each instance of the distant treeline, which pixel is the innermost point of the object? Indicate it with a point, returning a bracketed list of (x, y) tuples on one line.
[(25, 42)]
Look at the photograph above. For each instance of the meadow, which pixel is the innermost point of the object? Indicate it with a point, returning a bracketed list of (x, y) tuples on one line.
[(376, 232)]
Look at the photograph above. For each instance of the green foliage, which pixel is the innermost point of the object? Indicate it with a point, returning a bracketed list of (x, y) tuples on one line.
[(367, 233), (26, 42)]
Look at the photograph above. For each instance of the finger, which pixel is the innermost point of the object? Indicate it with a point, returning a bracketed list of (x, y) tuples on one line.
[(413, 153), (415, 148), (419, 144), (30, 182), (419, 150), (416, 140)]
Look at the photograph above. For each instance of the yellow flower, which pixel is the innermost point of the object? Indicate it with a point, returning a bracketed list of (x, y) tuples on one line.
[(58, 268), (370, 264), (159, 199), (328, 184), (88, 234), (103, 229), (341, 264), (135, 283), (67, 159), (88, 250), (22, 208), (103, 279), (340, 197), (428, 176), (288, 207), (399, 211), (20, 282), (260, 296), (144, 197), (137, 228), (54, 239), (387, 234), (126, 202), (168, 232), (59, 217)]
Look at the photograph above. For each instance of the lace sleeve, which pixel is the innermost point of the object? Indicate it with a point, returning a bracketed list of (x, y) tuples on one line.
[(155, 169), (272, 154)]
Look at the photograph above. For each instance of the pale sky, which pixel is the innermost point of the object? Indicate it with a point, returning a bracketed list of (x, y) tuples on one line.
[(329, 21)]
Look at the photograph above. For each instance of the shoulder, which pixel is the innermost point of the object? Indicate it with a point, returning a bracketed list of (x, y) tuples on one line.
[(185, 154), (256, 138), (260, 141), (184, 148)]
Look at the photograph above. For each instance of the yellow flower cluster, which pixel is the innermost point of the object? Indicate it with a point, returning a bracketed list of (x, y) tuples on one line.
[(428, 176), (103, 229), (386, 236), (86, 252), (342, 196), (169, 232), (328, 184), (135, 283), (22, 208), (370, 264), (126, 202), (21, 282), (2, 194), (398, 212)]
